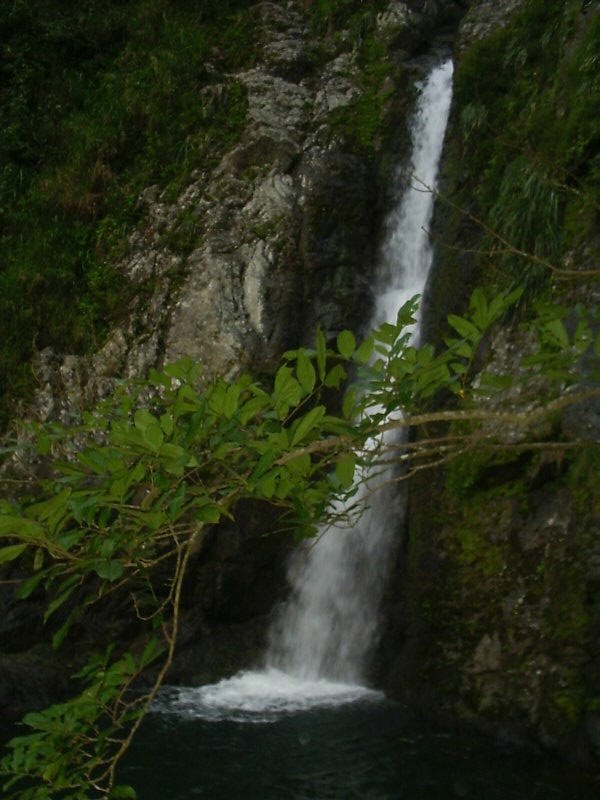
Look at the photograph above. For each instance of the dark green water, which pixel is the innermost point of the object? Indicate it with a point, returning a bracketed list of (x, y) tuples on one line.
[(362, 751)]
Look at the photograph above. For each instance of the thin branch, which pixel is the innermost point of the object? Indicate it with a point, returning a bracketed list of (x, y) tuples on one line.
[(559, 271)]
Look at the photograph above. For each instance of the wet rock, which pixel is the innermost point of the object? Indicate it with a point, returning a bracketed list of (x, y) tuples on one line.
[(581, 421), (488, 654), (549, 523), (483, 17)]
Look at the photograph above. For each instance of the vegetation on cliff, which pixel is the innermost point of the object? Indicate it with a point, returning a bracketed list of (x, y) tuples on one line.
[(528, 97), (510, 609), (99, 101)]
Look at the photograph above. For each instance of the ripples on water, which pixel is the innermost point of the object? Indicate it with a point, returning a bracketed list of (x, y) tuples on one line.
[(369, 749)]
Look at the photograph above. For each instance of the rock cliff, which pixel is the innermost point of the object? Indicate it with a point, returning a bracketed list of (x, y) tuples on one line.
[(275, 238), (492, 612), (279, 236), (495, 618)]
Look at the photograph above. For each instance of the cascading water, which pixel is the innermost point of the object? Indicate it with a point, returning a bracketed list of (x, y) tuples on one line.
[(320, 643), (330, 622)]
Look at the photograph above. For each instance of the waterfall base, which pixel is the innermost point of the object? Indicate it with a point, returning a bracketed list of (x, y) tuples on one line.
[(259, 697)]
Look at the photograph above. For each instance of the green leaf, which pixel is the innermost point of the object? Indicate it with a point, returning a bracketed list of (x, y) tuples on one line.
[(185, 370), (108, 548), (252, 408), (187, 400), (208, 513), (167, 423), (109, 570), (300, 465), (287, 392), (174, 452), (479, 308), (44, 444), (460, 347), (344, 469), (59, 601), (11, 552), (284, 484), (501, 303), (123, 792), (458, 368), (556, 332), (84, 503), (305, 372), (346, 343), (151, 651), (364, 351), (264, 463), (153, 436), (496, 381), (38, 559), (464, 327), (21, 528), (143, 419), (335, 377), (60, 635), (406, 314), (94, 460), (267, 485), (30, 585), (386, 333), (429, 381), (306, 424), (231, 400), (349, 403), (67, 540)]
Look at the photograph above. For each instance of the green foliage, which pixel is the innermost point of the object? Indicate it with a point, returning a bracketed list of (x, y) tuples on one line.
[(124, 498), (529, 95), (355, 16), (361, 122), (96, 103), (131, 489), (66, 750)]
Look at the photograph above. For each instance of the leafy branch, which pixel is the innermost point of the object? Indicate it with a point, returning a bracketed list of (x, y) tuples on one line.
[(119, 504)]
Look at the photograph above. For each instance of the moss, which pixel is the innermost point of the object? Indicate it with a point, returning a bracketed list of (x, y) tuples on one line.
[(571, 705), (512, 547), (582, 479), (475, 551), (362, 123), (185, 235), (480, 468)]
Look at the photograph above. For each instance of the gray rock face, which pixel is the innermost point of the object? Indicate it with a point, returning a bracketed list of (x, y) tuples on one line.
[(244, 281), (283, 228), (483, 17), (495, 617), (279, 237)]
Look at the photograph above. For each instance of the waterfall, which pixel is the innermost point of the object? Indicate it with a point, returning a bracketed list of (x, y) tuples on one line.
[(320, 642), (406, 254), (330, 622)]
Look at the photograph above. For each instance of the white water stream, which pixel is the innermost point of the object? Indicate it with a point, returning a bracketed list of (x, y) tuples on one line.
[(320, 643)]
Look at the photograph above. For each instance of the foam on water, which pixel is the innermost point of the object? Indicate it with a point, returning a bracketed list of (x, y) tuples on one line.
[(261, 696)]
